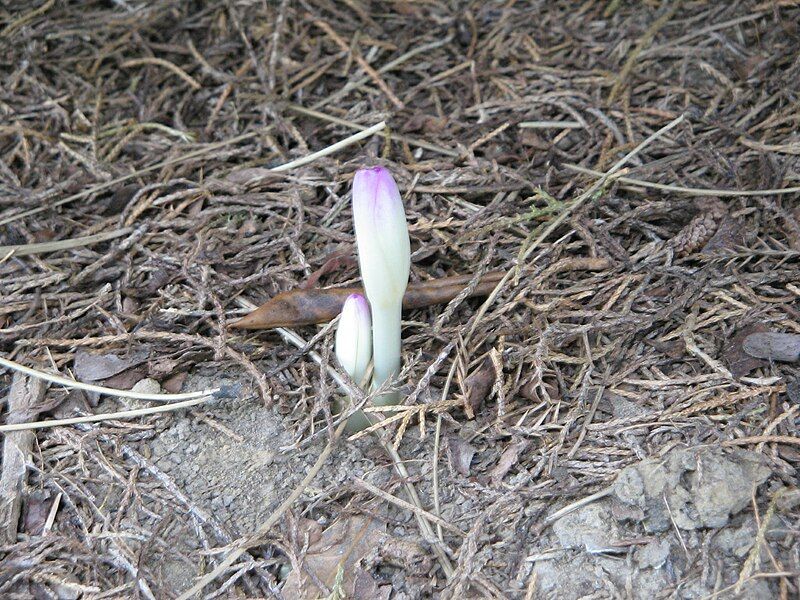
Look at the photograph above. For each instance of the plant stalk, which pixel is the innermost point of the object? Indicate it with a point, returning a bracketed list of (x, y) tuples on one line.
[(386, 349)]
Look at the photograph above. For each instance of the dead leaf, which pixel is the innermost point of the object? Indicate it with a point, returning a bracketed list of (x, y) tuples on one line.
[(421, 122), (307, 532), (346, 542), (335, 261), (127, 379), (319, 305), (174, 384), (366, 588), (675, 349), (37, 507), (459, 454), (97, 367), (477, 386), (161, 368), (75, 400), (507, 460), (739, 362), (783, 347), (530, 391)]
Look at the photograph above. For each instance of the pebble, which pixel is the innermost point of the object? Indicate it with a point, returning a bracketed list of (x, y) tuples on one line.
[(147, 386)]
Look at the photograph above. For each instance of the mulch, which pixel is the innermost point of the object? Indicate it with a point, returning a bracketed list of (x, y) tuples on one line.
[(599, 153)]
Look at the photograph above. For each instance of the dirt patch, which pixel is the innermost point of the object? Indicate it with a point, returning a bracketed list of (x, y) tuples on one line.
[(240, 463)]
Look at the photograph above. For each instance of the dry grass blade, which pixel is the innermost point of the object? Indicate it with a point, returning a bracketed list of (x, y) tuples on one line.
[(687, 190), (44, 247), (114, 416), (332, 148), (408, 506), (80, 385)]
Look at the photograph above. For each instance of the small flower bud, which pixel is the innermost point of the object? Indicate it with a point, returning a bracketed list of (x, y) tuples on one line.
[(354, 337)]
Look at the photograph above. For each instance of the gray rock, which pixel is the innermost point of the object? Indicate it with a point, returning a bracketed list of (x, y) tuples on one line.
[(694, 488), (736, 541), (147, 386), (653, 555), (590, 528)]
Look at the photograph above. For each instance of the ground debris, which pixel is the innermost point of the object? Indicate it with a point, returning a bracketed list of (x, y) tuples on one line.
[(24, 402), (701, 229), (633, 238), (341, 547)]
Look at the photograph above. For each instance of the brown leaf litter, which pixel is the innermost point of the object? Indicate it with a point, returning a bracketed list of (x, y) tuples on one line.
[(140, 138)]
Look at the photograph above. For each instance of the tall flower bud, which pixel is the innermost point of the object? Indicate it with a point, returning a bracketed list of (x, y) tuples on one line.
[(384, 256)]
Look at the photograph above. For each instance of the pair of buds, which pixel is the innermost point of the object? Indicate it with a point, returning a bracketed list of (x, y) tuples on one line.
[(369, 328)]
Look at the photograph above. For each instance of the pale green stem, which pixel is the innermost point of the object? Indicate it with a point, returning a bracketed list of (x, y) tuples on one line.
[(386, 349)]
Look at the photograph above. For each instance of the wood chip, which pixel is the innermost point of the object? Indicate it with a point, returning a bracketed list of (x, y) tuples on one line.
[(26, 394)]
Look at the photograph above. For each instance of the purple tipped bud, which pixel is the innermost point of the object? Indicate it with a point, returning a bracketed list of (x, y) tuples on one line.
[(384, 255), (384, 251)]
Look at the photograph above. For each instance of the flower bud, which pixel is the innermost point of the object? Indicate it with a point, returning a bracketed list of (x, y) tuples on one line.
[(384, 256), (384, 250), (354, 337)]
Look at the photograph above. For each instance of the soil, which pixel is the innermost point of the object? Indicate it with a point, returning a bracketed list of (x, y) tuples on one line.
[(596, 428)]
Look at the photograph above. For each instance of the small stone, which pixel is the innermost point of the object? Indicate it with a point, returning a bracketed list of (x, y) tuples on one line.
[(691, 488), (590, 528), (626, 512), (653, 555), (68, 591), (146, 386), (736, 541)]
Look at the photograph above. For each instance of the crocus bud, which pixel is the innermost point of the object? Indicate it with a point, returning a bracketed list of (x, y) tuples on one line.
[(384, 255), (354, 337), (384, 251)]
